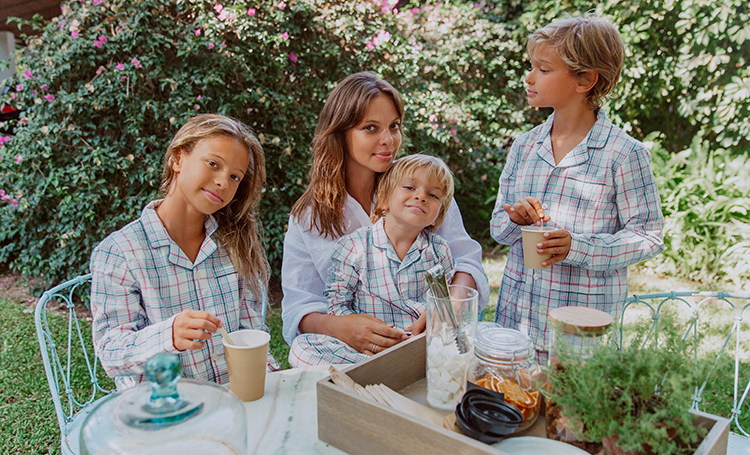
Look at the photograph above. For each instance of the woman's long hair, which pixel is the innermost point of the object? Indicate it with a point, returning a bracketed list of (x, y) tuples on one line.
[(344, 109), (239, 229)]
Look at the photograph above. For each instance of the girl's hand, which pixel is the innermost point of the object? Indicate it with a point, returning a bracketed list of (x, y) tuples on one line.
[(367, 334), (193, 325), (526, 211), (419, 325), (556, 243)]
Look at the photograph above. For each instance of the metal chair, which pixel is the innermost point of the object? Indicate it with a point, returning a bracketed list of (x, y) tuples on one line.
[(62, 356), (695, 304)]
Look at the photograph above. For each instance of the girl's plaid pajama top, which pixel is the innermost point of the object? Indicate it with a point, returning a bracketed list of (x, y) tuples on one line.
[(141, 280)]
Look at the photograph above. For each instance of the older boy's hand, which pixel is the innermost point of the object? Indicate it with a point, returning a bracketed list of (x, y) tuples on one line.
[(193, 325), (556, 243), (526, 211)]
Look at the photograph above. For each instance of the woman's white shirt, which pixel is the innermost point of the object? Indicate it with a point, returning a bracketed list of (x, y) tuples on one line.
[(307, 257)]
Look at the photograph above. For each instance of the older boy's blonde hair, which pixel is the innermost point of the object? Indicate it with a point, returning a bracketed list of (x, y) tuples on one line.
[(437, 171), (588, 43)]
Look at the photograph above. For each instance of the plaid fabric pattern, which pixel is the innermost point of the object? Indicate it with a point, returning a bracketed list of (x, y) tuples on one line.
[(367, 277), (142, 280), (604, 193), (307, 258)]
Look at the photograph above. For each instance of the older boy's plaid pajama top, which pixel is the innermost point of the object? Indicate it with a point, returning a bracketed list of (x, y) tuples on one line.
[(604, 193), (141, 280), (367, 277)]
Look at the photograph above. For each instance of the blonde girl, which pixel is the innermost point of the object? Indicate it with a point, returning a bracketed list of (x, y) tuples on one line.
[(357, 137), (191, 263)]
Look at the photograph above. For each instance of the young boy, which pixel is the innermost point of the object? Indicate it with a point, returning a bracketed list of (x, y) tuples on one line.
[(579, 173), (379, 270)]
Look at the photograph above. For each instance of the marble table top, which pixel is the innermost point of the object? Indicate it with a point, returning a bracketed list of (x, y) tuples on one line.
[(285, 420)]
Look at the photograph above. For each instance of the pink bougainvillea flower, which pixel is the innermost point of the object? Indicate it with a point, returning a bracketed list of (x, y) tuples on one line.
[(120, 66), (218, 7), (223, 15), (2, 193), (96, 2), (282, 5), (19, 88), (251, 12), (210, 45), (3, 140), (74, 34), (434, 126), (14, 202), (197, 32), (136, 62), (99, 70), (370, 46), (19, 159), (484, 177), (285, 35), (223, 44), (33, 92), (44, 86), (13, 95), (5, 197), (452, 131), (49, 97), (103, 39), (433, 118), (98, 44), (200, 97), (27, 74), (292, 57), (381, 38), (123, 78)]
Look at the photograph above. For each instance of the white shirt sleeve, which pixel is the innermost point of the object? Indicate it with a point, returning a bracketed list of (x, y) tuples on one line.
[(466, 252)]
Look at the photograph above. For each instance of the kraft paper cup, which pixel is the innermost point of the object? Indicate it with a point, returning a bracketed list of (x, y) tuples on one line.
[(531, 235), (246, 363)]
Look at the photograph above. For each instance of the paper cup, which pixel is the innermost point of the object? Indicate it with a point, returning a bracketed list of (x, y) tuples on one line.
[(532, 235), (247, 363)]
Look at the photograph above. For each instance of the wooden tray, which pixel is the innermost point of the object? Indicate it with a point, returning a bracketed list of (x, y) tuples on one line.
[(360, 426)]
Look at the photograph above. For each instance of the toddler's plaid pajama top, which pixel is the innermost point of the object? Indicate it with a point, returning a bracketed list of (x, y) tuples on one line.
[(367, 277), (141, 280), (604, 193)]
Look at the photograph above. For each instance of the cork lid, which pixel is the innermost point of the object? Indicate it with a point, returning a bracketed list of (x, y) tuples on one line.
[(580, 321)]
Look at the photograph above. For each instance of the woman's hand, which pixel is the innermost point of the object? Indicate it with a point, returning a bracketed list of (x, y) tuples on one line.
[(193, 325), (557, 243), (419, 325), (367, 334), (526, 211)]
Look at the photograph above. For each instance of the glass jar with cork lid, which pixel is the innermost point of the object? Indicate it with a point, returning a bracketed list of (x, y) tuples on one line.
[(576, 331)]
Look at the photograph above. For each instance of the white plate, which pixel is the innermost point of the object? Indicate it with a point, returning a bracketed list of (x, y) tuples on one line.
[(530, 445)]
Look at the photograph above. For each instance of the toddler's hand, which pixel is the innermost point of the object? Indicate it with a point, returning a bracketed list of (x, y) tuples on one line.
[(193, 325), (556, 243), (526, 211)]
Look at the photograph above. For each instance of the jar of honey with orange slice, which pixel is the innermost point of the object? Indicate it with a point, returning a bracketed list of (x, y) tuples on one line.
[(504, 362)]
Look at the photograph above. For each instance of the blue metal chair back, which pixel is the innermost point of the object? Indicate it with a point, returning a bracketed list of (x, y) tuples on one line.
[(695, 304), (61, 358)]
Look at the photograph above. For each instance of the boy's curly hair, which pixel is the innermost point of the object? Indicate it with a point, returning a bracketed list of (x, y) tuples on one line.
[(587, 43)]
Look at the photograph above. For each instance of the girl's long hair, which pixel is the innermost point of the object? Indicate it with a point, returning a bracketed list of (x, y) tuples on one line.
[(239, 228), (344, 109)]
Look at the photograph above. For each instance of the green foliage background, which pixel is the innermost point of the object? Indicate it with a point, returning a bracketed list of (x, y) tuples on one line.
[(84, 163)]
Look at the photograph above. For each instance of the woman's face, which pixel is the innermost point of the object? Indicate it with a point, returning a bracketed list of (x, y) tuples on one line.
[(373, 143)]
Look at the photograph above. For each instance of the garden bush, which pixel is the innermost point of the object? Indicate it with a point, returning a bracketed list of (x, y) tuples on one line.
[(107, 83)]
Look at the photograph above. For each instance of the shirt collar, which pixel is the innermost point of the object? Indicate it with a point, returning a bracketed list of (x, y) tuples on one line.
[(158, 237), (595, 139)]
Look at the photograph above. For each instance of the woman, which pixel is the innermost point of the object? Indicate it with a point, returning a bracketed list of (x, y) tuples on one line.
[(357, 137)]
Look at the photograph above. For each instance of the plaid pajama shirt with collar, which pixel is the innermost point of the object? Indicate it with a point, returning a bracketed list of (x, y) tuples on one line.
[(141, 280), (367, 277), (604, 193)]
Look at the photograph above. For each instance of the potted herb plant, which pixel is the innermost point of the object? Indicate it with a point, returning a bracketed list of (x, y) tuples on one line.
[(634, 400)]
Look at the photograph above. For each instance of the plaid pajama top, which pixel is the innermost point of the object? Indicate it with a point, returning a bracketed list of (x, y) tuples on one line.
[(604, 193), (141, 280), (368, 277)]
